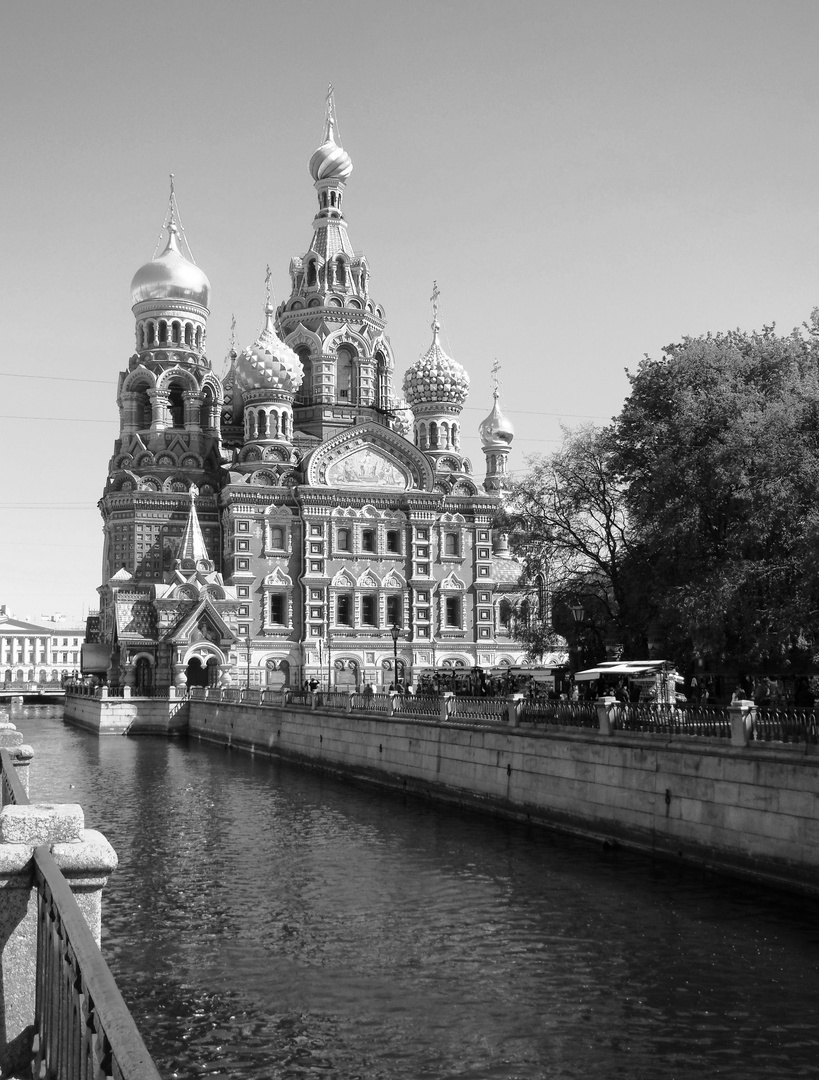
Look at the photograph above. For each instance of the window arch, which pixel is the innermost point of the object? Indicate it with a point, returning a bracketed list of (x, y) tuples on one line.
[(311, 273), (306, 389), (345, 377), (381, 385), (176, 404)]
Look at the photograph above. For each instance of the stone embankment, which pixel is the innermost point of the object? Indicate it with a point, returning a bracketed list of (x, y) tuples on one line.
[(731, 802)]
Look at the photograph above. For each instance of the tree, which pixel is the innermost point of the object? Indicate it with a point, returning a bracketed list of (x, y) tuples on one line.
[(566, 521), (718, 450)]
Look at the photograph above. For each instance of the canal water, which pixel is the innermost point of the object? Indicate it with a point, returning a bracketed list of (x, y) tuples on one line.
[(268, 922)]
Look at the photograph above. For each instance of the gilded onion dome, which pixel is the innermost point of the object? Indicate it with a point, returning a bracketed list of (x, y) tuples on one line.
[(330, 161), (435, 376), (269, 364), (170, 276), (496, 428)]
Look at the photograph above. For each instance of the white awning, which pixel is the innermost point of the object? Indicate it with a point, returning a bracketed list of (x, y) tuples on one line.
[(625, 669)]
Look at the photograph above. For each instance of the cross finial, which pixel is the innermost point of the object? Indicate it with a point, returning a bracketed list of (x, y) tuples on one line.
[(434, 298), (172, 204), (233, 333), (330, 123), (496, 377), (268, 287)]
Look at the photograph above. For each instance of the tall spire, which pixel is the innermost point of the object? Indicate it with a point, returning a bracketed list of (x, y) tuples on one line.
[(192, 546)]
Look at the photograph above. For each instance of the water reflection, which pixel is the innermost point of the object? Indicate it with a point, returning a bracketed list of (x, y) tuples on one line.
[(268, 922)]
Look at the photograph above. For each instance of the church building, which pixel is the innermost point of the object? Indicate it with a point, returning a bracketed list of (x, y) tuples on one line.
[(288, 522)]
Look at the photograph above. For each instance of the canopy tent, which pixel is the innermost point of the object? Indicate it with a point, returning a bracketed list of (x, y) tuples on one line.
[(629, 669)]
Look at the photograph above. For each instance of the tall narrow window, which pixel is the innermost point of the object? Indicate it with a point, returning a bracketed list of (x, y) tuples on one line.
[(394, 611), (367, 540), (453, 611), (277, 609), (368, 609), (344, 610), (277, 537), (393, 540), (343, 540), (451, 546)]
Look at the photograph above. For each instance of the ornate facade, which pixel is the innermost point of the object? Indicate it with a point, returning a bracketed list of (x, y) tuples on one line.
[(273, 526)]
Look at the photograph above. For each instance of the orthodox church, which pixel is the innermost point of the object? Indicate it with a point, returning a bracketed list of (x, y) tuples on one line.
[(289, 521)]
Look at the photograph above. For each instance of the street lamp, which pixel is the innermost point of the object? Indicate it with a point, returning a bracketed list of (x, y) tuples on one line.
[(395, 630), (247, 646), (578, 614)]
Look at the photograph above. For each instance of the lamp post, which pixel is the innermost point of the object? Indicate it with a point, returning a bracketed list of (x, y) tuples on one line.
[(247, 646), (395, 630), (578, 614)]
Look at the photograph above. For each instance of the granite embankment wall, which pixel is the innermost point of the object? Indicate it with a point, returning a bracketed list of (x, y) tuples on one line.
[(750, 810), (127, 716)]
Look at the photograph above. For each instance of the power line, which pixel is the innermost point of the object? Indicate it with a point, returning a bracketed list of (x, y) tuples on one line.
[(51, 378)]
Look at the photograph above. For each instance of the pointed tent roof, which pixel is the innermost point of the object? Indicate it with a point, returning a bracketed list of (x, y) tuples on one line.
[(192, 546)]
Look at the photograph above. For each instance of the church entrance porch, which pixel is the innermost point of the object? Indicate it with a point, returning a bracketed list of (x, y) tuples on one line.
[(199, 674)]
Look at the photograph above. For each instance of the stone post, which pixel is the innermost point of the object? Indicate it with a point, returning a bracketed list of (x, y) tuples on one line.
[(741, 714), (86, 859), (22, 757), (514, 704), (605, 707), (446, 699), (348, 707)]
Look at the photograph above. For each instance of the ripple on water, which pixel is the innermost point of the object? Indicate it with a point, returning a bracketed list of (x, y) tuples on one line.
[(266, 922)]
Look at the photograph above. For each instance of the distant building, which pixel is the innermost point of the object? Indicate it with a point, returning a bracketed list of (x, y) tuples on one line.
[(32, 653), (274, 526)]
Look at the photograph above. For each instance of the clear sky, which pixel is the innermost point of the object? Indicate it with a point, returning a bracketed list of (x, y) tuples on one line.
[(587, 181)]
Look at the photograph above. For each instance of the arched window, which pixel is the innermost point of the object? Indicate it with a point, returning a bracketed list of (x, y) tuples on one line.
[(345, 377), (451, 544), (144, 412), (251, 424), (208, 409), (311, 273), (306, 389), (176, 405), (262, 424), (285, 434), (504, 614), (176, 332), (188, 333), (277, 537), (163, 332), (199, 337), (433, 436), (341, 272), (381, 385), (151, 333)]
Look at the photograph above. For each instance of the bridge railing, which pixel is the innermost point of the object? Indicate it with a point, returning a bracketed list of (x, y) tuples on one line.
[(785, 725), (542, 710)]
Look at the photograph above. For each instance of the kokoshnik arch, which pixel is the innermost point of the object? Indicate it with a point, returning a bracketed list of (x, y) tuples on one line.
[(273, 526)]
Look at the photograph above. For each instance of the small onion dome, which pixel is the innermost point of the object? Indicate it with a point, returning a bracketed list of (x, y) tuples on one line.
[(435, 377), (403, 421), (496, 428), (330, 161), (171, 276), (269, 364)]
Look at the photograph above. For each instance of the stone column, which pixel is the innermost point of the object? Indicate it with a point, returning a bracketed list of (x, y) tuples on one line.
[(513, 709), (741, 714), (605, 707), (86, 859)]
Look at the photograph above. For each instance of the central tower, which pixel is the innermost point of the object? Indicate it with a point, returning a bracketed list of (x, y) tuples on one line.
[(330, 320)]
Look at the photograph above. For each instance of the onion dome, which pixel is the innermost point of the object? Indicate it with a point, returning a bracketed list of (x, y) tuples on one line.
[(435, 376), (496, 428), (330, 161), (170, 276), (269, 364)]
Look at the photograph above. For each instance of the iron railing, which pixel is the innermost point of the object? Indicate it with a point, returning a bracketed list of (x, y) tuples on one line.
[(785, 725), (13, 792), (82, 1027), (582, 714), (479, 710)]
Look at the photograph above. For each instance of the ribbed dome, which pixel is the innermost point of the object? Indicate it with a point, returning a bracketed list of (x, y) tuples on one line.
[(496, 428), (171, 276), (330, 161), (435, 377), (269, 364)]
